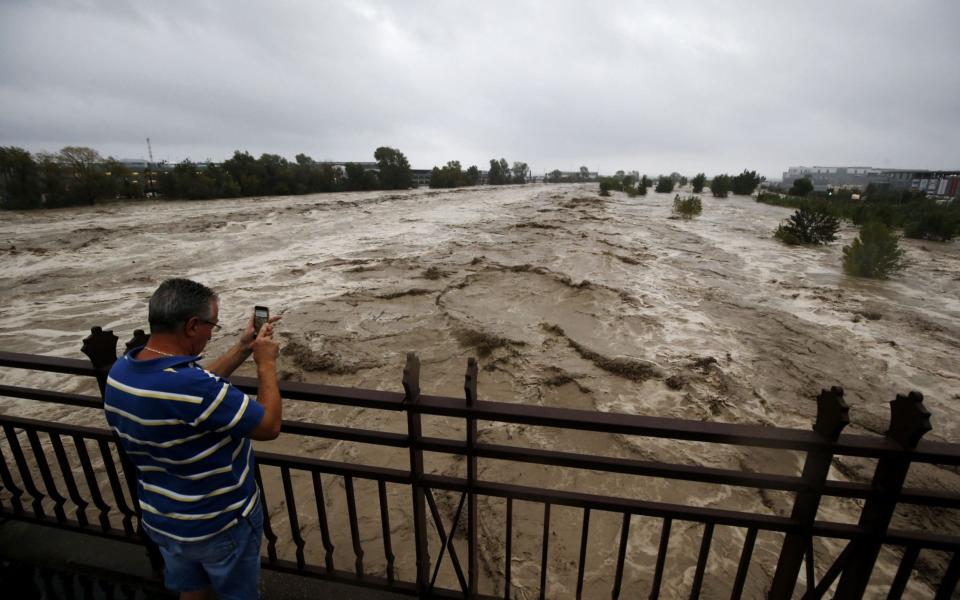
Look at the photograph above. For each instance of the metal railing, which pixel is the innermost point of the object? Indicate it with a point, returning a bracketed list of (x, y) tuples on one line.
[(98, 495)]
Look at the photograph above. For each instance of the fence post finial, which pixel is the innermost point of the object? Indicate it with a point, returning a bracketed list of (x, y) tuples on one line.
[(909, 420), (101, 348), (411, 378), (833, 413), (138, 340)]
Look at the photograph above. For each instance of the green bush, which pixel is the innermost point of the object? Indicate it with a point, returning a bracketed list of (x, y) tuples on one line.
[(809, 225), (664, 184), (688, 207), (698, 182), (801, 187), (720, 186), (875, 253), (934, 221), (745, 183)]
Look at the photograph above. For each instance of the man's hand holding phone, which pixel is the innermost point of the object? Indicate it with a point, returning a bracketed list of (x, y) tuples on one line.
[(260, 317), (265, 349)]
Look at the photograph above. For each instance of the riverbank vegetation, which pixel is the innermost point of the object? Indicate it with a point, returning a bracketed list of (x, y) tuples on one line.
[(918, 216), (81, 176)]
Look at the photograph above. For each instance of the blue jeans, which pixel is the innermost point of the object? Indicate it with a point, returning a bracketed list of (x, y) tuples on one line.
[(229, 562)]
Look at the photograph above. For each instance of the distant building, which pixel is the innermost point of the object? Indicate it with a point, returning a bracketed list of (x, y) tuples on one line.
[(934, 183)]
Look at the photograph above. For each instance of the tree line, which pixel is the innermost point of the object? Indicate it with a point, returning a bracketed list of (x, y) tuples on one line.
[(77, 176), (452, 174), (720, 186), (917, 215)]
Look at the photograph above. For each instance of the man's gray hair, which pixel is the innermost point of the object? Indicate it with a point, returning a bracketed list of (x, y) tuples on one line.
[(176, 301)]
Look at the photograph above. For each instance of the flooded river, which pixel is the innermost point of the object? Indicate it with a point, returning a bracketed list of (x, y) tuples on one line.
[(567, 299)]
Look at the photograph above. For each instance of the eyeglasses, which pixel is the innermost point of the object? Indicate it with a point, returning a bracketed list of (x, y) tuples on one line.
[(215, 326)]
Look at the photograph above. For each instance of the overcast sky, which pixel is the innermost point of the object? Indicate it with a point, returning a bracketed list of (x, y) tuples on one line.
[(653, 86)]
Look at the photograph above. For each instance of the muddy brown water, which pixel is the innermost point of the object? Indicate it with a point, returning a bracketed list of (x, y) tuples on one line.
[(567, 299)]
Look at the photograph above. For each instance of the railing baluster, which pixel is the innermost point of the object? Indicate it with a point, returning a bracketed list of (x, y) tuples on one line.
[(811, 569), (322, 516), (903, 572), (438, 523), (86, 586), (948, 584), (702, 561), (832, 573), (546, 546), (621, 555), (508, 552), (584, 531), (44, 467), (661, 558), (114, 478), (130, 476), (411, 389), (385, 525), (68, 478), (470, 393), (741, 579), (267, 527), (354, 525), (92, 484), (909, 421), (7, 478), (446, 544), (25, 476), (292, 513)]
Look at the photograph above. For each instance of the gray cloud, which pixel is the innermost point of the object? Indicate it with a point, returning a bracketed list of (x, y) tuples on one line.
[(654, 86)]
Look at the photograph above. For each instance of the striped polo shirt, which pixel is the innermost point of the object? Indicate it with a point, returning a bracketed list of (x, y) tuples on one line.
[(184, 429)]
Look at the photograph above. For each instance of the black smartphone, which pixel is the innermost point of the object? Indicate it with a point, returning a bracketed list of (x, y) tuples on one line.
[(261, 314)]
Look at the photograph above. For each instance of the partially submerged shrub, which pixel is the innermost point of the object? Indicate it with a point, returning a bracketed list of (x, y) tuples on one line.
[(875, 253), (808, 225), (664, 184), (698, 182), (605, 186), (688, 207), (720, 186)]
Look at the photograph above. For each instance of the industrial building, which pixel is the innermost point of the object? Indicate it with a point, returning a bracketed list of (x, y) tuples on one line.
[(935, 183)]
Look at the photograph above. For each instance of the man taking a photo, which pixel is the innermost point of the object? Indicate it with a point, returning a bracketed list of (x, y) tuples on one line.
[(188, 432)]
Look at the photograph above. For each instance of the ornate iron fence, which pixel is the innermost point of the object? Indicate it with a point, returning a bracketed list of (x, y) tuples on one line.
[(93, 489)]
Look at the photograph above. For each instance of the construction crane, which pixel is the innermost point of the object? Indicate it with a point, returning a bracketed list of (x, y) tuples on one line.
[(149, 175)]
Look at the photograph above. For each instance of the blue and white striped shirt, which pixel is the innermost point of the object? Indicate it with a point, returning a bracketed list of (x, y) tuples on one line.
[(184, 429)]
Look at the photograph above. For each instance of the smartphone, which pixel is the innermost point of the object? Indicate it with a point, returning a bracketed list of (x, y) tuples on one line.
[(261, 314)]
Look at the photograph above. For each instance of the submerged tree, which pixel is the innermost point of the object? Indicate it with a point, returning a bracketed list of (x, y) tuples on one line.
[(698, 182), (745, 183), (394, 169), (720, 186), (875, 253), (808, 225), (664, 184)]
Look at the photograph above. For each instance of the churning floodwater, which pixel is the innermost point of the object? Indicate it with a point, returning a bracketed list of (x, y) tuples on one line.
[(567, 299)]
